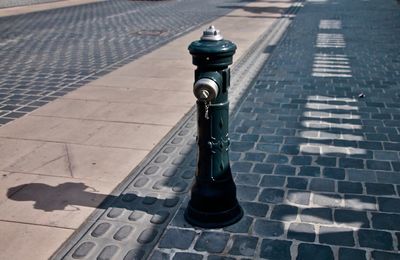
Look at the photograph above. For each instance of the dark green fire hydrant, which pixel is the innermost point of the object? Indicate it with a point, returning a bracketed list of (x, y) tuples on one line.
[(213, 202)]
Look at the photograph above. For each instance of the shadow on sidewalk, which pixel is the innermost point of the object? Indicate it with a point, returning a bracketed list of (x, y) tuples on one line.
[(66, 195)]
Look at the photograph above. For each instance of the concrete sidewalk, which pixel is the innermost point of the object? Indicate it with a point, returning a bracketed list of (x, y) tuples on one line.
[(61, 161)]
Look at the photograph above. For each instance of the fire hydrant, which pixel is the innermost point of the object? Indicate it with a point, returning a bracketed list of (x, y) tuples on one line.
[(213, 202)]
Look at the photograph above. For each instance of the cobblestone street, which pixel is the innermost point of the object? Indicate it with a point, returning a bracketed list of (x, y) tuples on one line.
[(316, 145), (315, 153), (47, 54)]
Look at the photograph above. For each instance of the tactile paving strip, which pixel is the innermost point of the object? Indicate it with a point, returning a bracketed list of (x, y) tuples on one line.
[(129, 228)]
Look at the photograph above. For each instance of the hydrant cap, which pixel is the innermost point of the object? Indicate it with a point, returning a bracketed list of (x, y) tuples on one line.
[(211, 34), (212, 50)]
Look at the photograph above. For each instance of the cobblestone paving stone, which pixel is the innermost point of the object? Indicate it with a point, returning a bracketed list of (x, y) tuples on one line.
[(44, 55), (315, 145)]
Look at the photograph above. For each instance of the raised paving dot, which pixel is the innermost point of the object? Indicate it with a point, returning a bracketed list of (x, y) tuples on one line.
[(180, 186), (108, 253), (83, 250), (135, 254), (169, 172), (115, 213), (147, 236), (136, 215), (141, 182), (177, 140), (129, 197), (101, 229), (160, 217), (169, 150), (161, 158), (151, 170), (123, 233)]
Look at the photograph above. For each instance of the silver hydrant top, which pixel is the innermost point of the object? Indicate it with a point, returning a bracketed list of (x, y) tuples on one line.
[(211, 34)]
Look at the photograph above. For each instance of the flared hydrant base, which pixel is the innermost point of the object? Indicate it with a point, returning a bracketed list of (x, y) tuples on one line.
[(215, 219)]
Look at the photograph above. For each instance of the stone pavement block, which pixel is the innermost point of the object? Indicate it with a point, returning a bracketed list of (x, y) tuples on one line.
[(298, 197), (256, 157), (350, 187), (267, 228), (247, 193), (272, 181), (302, 232), (284, 213), (386, 155), (389, 204), (360, 202), (378, 165), (158, 255), (243, 226), (334, 173), (187, 256), (327, 200), (320, 184), (391, 146), (375, 239), (177, 238), (380, 189), (361, 175), (351, 163), (311, 171), (269, 148), (317, 215), (285, 170), (351, 254), (388, 177), (297, 183), (212, 242), (255, 209), (358, 219), (249, 179), (290, 149), (241, 167), (301, 160), (263, 168), (275, 249), (314, 251), (243, 245), (218, 257), (326, 161), (241, 146), (336, 236), (385, 255), (271, 195), (386, 221), (277, 158)]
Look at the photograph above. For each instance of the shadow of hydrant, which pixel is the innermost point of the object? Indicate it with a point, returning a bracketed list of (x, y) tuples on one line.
[(49, 198)]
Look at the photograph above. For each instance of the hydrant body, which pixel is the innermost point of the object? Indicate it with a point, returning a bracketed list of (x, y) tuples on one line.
[(213, 202)]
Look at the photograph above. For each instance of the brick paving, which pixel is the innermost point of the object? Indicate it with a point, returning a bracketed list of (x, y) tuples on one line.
[(315, 145), (315, 154), (45, 55)]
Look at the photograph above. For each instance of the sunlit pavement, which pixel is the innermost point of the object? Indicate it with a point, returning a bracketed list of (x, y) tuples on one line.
[(315, 155)]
